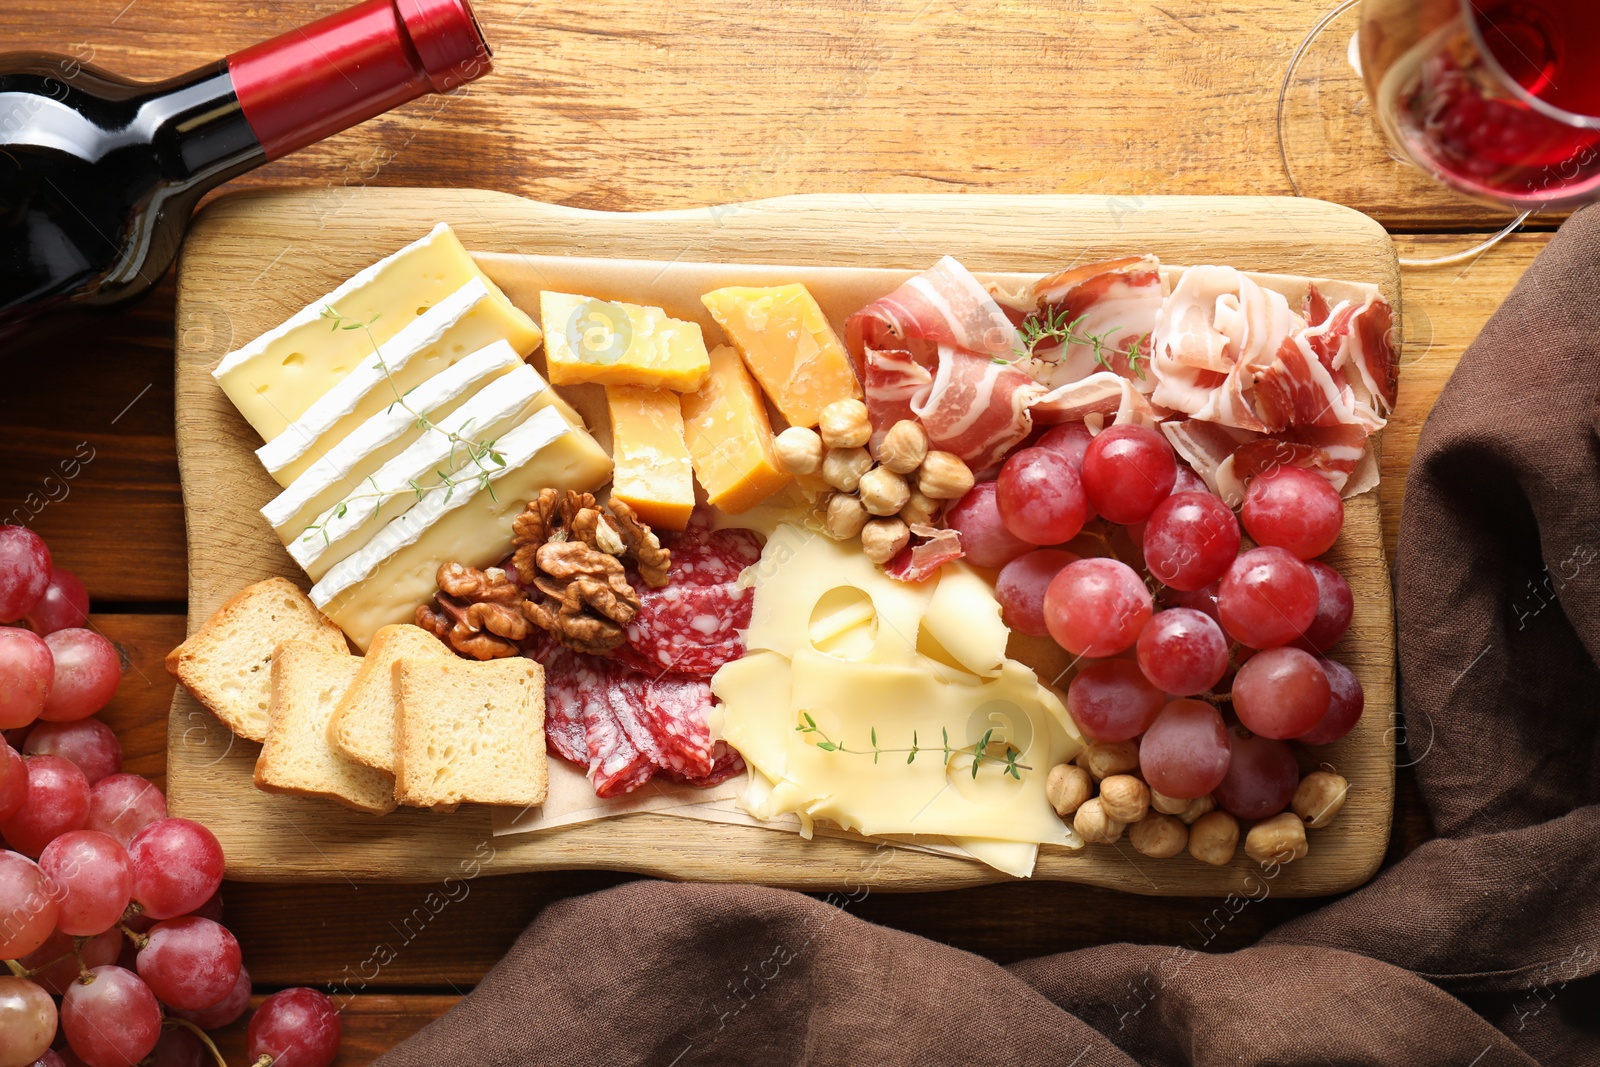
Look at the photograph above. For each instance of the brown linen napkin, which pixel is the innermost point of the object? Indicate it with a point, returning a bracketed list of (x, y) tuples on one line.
[(1499, 603)]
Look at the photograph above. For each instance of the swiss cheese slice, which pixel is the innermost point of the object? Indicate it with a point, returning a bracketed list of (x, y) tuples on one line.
[(729, 437), (612, 343), (276, 377), (789, 345), (392, 574), (382, 437), (653, 473), (460, 324)]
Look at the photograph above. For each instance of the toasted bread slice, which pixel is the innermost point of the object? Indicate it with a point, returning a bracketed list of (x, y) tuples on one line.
[(307, 684), (227, 663), (470, 732), (363, 726)]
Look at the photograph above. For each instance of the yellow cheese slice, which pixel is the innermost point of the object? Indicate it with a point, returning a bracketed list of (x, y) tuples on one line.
[(653, 473), (789, 345), (276, 377), (726, 428), (613, 343)]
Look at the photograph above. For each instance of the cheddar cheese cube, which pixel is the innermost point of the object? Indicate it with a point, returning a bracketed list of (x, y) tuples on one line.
[(789, 346), (612, 343), (730, 440), (653, 472)]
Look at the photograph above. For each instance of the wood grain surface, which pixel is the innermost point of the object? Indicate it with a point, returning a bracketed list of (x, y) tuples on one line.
[(646, 105)]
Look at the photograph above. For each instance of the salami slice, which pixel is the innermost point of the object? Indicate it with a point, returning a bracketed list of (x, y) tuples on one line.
[(726, 764), (692, 625), (677, 710), (566, 678)]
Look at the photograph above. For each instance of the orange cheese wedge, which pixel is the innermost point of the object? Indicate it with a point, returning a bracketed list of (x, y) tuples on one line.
[(653, 472), (789, 346), (730, 440)]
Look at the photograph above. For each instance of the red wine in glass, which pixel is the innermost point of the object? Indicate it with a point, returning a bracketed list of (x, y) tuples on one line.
[(1498, 98)]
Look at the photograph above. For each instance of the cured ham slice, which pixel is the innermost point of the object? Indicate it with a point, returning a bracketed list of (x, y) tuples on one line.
[(975, 406), (929, 550), (1297, 389), (942, 307), (1118, 301), (1102, 393), (889, 381), (1227, 458)]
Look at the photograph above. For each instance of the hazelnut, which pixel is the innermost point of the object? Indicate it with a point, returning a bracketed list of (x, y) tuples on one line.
[(1198, 807), (843, 468), (920, 509), (1124, 797), (904, 447), (882, 538), (845, 518), (1105, 758), (1067, 788), (844, 424), (799, 450), (1213, 838), (1158, 836), (1318, 798), (1280, 839), (944, 476), (1167, 805), (1094, 825), (883, 491)]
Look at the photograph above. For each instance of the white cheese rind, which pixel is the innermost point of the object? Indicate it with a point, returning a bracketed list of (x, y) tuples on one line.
[(391, 490), (462, 323), (381, 438), (387, 579), (276, 377)]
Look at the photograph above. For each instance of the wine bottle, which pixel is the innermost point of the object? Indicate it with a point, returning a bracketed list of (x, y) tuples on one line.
[(99, 174)]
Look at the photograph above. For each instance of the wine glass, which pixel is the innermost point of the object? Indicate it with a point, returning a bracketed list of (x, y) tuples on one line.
[(1497, 99)]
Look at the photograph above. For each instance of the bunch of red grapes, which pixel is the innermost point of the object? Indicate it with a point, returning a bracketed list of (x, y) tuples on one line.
[(1173, 624), (105, 902)]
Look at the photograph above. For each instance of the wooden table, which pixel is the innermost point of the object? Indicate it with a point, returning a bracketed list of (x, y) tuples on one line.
[(649, 104)]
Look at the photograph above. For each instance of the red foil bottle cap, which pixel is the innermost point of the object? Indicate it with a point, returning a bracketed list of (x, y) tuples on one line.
[(353, 65)]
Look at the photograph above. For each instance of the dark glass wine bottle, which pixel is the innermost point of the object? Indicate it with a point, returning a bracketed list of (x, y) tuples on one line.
[(99, 174)]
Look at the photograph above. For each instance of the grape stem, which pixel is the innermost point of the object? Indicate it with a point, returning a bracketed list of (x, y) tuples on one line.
[(139, 940), (18, 969), (205, 1039), (264, 1061)]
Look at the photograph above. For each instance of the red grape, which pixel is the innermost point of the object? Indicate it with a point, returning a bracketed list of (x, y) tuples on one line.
[(177, 864), (1190, 540), (1267, 598), (1202, 600), (91, 871), (1112, 701), (13, 782), (26, 671), (295, 1028), (1070, 439), (1039, 496), (112, 1019), (180, 1048), (1182, 651), (1096, 607), (1335, 607), (58, 802), (88, 669), (1280, 693), (1294, 509), (1188, 481), (211, 909), (52, 1058), (89, 743), (189, 962), (1021, 586), (55, 963), (123, 804), (1261, 776), (65, 604), (27, 1022), (984, 537), (1184, 754), (1127, 471), (27, 904), (24, 571), (1345, 703), (223, 1012)]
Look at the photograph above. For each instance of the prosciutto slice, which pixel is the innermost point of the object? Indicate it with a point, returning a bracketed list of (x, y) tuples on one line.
[(975, 406), (942, 307), (1119, 301), (1102, 393)]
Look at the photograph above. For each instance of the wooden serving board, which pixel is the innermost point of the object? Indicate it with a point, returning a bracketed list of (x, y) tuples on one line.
[(253, 259)]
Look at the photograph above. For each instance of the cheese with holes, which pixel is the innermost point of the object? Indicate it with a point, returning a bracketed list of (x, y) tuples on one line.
[(387, 578), (378, 440), (883, 665), (730, 440), (653, 474), (789, 345), (463, 322), (610, 343), (392, 489), (275, 378)]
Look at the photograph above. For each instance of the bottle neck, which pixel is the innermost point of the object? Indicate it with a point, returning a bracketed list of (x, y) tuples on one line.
[(354, 65), (199, 129)]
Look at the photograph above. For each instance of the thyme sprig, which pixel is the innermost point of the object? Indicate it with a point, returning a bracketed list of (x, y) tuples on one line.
[(481, 453), (1054, 325), (979, 751)]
